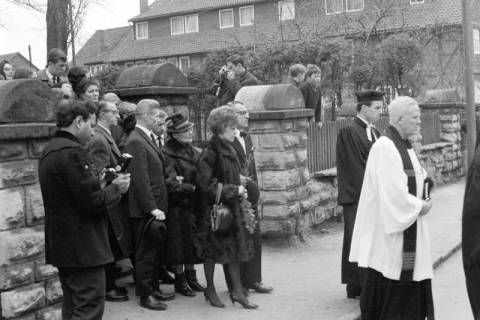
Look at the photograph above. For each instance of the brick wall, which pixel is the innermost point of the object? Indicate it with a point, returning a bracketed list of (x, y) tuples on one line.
[(29, 289)]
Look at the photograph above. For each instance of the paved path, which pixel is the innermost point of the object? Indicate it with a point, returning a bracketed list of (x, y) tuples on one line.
[(306, 277)]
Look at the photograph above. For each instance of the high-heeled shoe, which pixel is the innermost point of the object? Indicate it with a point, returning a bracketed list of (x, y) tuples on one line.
[(243, 301), (211, 296)]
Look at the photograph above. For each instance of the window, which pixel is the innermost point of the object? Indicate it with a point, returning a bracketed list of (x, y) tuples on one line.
[(247, 16), (333, 6), (184, 63), (177, 25), (476, 41), (191, 23), (416, 1), (141, 30), (226, 18), (355, 5), (286, 9), (184, 24)]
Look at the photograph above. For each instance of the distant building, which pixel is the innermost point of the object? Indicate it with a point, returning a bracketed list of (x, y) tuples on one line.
[(18, 60)]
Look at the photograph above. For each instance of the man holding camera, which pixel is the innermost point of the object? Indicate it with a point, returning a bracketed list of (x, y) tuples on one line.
[(75, 202), (106, 155), (232, 77)]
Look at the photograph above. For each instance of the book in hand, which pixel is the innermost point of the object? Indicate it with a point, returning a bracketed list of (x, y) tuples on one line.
[(427, 188)]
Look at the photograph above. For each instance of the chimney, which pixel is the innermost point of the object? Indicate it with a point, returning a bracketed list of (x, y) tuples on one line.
[(143, 6)]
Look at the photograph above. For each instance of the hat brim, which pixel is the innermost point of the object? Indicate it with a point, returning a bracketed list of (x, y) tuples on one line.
[(186, 126)]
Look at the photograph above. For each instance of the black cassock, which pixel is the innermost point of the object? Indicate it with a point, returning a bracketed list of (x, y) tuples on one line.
[(471, 234), (353, 147)]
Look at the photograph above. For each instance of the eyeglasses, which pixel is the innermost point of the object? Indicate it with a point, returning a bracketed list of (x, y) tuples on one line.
[(112, 111), (243, 113)]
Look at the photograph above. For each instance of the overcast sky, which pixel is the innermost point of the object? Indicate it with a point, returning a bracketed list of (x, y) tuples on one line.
[(21, 27)]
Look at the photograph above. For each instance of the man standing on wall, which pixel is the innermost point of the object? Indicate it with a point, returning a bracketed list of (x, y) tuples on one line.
[(56, 67), (76, 236), (232, 78), (353, 145)]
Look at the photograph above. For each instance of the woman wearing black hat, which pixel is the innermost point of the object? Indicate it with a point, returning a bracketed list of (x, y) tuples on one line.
[(180, 218)]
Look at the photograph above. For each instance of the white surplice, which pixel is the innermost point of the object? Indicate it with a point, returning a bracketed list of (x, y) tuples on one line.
[(385, 210)]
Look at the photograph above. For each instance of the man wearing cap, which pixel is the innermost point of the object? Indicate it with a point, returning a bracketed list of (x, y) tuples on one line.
[(251, 271), (353, 145), (148, 203)]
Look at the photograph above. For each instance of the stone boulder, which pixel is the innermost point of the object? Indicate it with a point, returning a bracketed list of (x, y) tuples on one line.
[(26, 101), (162, 75), (277, 97)]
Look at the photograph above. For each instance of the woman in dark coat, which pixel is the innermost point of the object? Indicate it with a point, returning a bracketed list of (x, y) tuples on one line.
[(183, 158), (218, 163)]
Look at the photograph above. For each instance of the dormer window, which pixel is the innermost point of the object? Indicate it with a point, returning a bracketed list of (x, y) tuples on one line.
[(141, 30), (184, 24)]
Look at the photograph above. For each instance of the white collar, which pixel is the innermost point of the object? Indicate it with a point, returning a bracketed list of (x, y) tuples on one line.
[(237, 133), (104, 128), (49, 75), (147, 131)]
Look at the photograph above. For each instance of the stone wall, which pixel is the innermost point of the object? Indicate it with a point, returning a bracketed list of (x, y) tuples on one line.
[(29, 289)]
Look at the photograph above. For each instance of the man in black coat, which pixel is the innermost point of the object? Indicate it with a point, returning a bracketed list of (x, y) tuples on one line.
[(251, 271), (353, 145), (232, 78), (76, 232), (105, 154), (148, 203), (312, 94)]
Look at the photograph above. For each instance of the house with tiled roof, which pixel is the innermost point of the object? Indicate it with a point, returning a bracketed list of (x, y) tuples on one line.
[(17, 59), (184, 31)]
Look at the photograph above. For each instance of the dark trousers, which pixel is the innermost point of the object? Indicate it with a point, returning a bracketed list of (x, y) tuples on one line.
[(83, 293), (351, 273), (250, 271), (117, 253), (147, 259)]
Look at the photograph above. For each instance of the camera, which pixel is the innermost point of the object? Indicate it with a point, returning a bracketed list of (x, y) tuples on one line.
[(121, 167), (223, 71)]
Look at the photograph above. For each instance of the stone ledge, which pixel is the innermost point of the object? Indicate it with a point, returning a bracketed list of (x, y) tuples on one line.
[(436, 145), (442, 105), (281, 114), (327, 173), (27, 130), (154, 90)]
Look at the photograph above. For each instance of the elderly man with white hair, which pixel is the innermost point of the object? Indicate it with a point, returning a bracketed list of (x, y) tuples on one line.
[(390, 237)]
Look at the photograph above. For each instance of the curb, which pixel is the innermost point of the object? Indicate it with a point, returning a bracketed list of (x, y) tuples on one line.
[(355, 315)]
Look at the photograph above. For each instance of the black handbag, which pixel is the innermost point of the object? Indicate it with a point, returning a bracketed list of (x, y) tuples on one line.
[(221, 216)]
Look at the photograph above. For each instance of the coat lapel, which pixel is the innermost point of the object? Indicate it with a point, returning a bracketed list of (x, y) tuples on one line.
[(149, 141), (110, 140), (239, 149)]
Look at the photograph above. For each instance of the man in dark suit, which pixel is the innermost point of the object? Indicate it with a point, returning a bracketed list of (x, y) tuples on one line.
[(148, 203), (251, 271), (232, 77), (105, 154), (353, 145), (54, 73), (76, 237)]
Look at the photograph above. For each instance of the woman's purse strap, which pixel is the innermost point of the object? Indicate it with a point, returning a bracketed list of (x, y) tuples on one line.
[(219, 193)]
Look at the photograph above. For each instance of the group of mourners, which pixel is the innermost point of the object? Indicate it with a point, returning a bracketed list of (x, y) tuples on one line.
[(122, 181), (176, 206)]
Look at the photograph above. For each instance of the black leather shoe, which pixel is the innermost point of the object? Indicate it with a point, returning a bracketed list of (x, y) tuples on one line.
[(121, 289), (115, 295), (353, 291), (165, 277), (152, 303), (192, 281), (181, 286), (260, 287), (162, 296)]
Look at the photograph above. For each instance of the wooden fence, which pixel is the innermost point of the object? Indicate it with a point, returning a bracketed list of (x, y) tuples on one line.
[(322, 141)]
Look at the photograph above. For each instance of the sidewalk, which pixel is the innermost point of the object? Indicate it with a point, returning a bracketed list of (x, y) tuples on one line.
[(306, 278)]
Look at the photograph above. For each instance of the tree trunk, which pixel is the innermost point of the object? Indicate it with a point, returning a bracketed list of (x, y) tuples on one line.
[(57, 24)]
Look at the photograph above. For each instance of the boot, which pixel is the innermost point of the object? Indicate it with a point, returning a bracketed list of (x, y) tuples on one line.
[(192, 280), (164, 276), (181, 285)]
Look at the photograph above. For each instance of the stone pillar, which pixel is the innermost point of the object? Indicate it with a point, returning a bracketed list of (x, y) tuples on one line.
[(29, 289), (445, 160), (291, 202)]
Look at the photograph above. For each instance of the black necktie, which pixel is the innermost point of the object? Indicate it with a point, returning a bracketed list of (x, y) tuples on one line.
[(154, 139), (372, 134)]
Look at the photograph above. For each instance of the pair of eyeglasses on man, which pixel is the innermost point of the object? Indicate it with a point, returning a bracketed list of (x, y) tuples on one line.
[(112, 111), (243, 113)]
